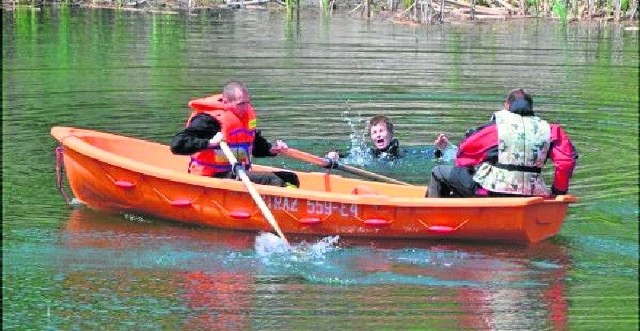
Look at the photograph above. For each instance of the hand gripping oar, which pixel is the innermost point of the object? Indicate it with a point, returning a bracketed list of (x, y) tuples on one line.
[(252, 190), (325, 162)]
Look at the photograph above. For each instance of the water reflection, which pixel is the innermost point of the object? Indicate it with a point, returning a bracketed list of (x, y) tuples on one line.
[(220, 279)]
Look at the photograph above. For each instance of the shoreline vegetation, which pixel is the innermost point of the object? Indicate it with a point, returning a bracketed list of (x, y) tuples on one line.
[(411, 12)]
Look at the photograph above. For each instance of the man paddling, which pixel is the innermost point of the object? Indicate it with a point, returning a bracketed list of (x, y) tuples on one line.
[(231, 114)]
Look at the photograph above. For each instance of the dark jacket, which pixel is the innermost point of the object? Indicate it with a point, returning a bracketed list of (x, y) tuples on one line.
[(390, 153), (202, 128)]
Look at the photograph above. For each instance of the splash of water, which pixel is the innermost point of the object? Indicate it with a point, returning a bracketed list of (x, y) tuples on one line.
[(76, 203), (316, 251), (359, 153), (134, 218), (271, 249), (268, 244)]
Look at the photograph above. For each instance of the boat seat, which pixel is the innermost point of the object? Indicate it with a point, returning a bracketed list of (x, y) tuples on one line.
[(363, 189)]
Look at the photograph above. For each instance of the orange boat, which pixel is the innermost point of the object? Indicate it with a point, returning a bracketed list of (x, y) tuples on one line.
[(128, 175)]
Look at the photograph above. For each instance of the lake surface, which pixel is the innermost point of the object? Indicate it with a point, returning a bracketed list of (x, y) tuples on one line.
[(315, 82)]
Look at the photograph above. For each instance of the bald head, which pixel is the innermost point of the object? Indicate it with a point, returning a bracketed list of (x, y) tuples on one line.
[(235, 92), (236, 98)]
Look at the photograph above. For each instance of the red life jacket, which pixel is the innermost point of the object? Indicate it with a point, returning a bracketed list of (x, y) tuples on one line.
[(238, 133)]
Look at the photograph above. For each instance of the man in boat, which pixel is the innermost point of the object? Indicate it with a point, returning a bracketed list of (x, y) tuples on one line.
[(385, 146), (505, 156), (232, 114)]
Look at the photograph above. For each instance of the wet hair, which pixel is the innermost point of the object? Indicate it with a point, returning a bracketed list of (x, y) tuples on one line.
[(235, 90), (518, 99), (381, 119)]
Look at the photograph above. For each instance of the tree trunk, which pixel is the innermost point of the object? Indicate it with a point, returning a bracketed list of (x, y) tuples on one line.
[(634, 9), (367, 8), (473, 9)]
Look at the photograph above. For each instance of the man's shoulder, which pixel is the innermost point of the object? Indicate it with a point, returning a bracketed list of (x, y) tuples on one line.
[(201, 116), (204, 121)]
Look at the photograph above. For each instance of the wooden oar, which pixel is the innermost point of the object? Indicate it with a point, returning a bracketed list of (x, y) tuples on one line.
[(324, 162), (252, 190)]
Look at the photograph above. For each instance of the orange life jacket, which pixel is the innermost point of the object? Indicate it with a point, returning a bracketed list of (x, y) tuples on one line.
[(238, 133)]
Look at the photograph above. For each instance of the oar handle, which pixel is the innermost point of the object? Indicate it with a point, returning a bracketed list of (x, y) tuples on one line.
[(252, 190)]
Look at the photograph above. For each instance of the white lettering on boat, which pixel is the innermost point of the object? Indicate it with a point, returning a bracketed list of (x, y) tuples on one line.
[(314, 207), (329, 208), (281, 203)]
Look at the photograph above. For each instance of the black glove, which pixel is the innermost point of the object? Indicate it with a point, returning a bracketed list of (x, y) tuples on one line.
[(288, 177), (236, 167), (555, 191), (437, 153)]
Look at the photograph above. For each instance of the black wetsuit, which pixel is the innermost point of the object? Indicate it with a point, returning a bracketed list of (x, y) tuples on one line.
[(391, 153)]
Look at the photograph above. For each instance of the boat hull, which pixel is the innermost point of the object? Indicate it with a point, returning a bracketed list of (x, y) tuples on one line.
[(128, 175)]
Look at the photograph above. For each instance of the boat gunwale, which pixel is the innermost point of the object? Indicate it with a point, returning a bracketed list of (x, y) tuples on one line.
[(71, 137)]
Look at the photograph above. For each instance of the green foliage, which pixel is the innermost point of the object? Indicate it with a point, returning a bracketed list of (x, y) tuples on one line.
[(289, 4), (560, 9), (407, 3), (624, 5), (325, 5)]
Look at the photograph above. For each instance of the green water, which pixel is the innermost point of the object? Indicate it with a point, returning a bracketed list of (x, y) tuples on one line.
[(314, 83)]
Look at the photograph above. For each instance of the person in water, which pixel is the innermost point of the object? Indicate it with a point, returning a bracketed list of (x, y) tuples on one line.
[(386, 146), (232, 114), (505, 156)]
